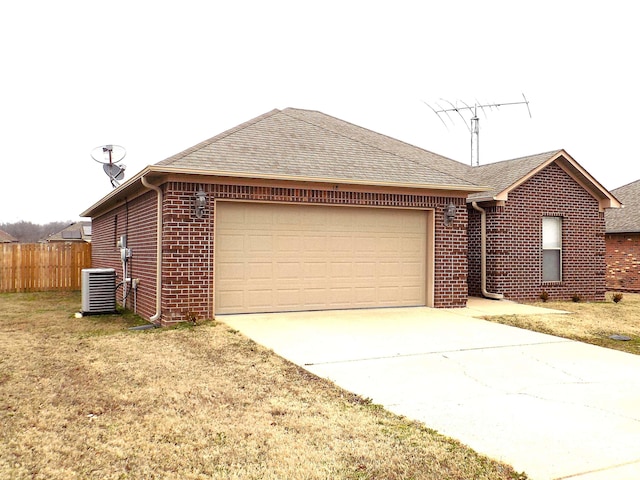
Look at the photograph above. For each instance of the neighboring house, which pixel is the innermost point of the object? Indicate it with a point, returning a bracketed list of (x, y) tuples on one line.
[(7, 237), (76, 232), (623, 240), (297, 210)]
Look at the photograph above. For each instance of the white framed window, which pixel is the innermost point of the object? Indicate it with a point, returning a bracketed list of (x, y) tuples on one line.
[(551, 249)]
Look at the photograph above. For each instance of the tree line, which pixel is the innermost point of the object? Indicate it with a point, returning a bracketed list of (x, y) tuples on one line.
[(28, 232)]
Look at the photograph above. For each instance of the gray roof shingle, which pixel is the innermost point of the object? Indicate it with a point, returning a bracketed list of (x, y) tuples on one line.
[(502, 175), (627, 219), (7, 237), (309, 144)]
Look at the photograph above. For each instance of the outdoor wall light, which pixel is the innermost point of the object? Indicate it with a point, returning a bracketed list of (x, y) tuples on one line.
[(200, 202), (449, 214)]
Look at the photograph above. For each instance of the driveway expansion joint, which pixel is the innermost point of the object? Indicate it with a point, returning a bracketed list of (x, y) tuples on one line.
[(604, 469), (436, 352)]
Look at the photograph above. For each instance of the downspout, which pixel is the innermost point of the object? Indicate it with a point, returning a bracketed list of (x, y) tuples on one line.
[(158, 190), (483, 254)]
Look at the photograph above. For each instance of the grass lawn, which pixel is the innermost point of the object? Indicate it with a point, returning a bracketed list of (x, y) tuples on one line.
[(90, 399), (589, 322)]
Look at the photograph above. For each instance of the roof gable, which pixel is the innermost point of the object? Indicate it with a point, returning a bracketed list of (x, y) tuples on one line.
[(627, 219), (504, 177)]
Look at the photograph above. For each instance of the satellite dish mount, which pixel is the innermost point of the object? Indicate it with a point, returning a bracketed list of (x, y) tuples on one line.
[(109, 156)]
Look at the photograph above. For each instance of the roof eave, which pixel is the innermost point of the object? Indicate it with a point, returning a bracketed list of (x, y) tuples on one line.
[(299, 178), (623, 232), (152, 172)]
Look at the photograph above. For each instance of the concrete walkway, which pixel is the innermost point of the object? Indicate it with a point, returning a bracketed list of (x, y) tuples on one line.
[(554, 408)]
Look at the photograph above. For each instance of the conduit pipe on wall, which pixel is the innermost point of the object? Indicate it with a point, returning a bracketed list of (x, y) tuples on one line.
[(483, 254), (158, 190)]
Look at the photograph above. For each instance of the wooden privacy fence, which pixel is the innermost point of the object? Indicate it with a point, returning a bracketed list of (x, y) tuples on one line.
[(32, 267)]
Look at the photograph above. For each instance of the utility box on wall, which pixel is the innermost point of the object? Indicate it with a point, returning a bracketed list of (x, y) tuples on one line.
[(98, 290)]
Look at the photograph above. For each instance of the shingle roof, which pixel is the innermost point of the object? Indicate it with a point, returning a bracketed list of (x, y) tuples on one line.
[(502, 175), (76, 232), (7, 237), (626, 219), (308, 144)]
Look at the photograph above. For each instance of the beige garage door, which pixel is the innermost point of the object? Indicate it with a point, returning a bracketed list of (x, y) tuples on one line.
[(276, 257)]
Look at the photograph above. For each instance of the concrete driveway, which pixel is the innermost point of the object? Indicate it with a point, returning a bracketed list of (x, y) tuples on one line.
[(551, 407)]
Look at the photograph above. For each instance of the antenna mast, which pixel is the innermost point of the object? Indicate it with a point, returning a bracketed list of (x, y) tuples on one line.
[(474, 124)]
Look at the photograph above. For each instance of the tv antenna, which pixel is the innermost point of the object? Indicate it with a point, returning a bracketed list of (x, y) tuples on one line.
[(474, 123), (109, 156)]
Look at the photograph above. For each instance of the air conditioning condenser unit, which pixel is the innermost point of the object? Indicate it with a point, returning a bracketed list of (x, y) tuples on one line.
[(98, 290)]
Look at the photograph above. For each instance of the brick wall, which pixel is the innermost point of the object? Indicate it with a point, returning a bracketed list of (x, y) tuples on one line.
[(137, 220), (514, 241), (188, 243), (623, 261)]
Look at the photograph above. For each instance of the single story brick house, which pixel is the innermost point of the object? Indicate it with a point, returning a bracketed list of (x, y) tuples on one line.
[(7, 237), (623, 240), (297, 210), (77, 232)]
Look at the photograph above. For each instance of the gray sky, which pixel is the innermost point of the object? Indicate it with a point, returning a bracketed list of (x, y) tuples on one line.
[(158, 77)]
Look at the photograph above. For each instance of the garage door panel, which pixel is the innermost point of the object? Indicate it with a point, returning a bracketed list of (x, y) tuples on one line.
[(315, 270), (339, 296), (365, 270), (365, 295), (288, 298), (231, 270), (256, 270), (390, 270), (408, 293), (341, 270), (316, 243), (256, 298), (231, 243), (388, 244), (288, 244), (233, 300), (315, 297), (365, 245), (410, 269), (340, 242), (275, 257), (287, 271), (260, 243), (411, 245)]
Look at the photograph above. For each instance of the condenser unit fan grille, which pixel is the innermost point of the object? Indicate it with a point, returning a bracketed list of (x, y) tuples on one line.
[(98, 290)]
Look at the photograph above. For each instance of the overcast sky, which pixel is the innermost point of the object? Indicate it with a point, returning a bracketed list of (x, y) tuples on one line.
[(158, 77)]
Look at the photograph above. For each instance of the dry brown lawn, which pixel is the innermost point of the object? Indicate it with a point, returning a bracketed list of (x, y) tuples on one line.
[(590, 322), (90, 399)]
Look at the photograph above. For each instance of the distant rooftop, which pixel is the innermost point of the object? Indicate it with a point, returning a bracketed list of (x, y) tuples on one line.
[(76, 232)]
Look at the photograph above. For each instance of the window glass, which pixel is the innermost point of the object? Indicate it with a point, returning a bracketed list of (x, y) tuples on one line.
[(551, 265), (551, 232), (551, 249)]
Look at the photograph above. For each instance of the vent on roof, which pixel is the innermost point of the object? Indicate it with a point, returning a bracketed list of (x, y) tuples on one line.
[(98, 290)]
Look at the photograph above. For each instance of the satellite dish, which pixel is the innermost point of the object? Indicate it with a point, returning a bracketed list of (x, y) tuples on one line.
[(109, 155), (114, 171)]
